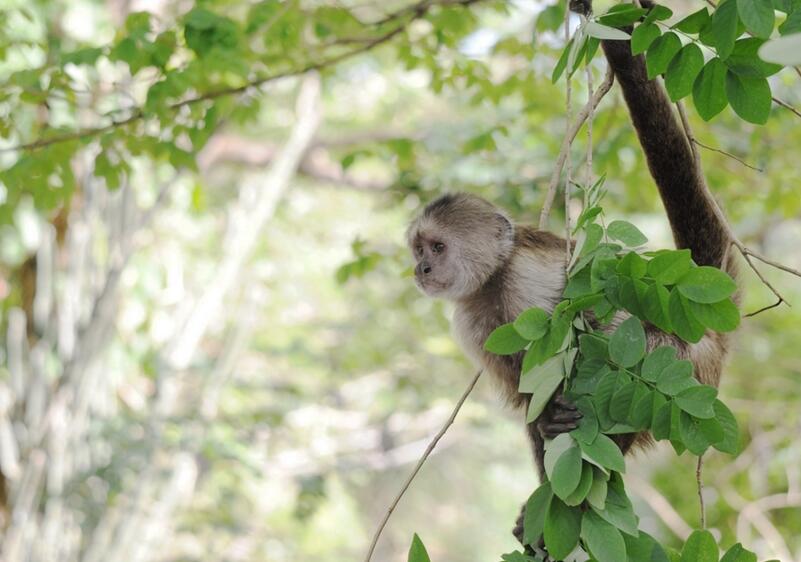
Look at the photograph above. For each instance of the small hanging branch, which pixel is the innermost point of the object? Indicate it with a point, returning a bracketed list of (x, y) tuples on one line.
[(582, 116), (700, 482), (568, 115), (419, 465)]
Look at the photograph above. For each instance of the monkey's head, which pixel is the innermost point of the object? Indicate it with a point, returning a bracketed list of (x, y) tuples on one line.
[(458, 242)]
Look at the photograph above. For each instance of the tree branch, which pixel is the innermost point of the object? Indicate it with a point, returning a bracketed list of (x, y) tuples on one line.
[(419, 465)]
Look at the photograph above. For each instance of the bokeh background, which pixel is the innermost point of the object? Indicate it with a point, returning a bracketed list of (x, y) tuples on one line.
[(212, 346)]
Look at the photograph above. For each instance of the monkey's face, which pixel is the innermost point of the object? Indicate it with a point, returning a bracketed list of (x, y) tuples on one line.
[(437, 271), (458, 242)]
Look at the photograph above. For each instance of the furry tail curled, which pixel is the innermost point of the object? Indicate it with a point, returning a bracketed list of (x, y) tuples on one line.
[(678, 176)]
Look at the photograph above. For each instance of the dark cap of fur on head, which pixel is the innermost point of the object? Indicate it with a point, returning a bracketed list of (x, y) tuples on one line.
[(462, 213)]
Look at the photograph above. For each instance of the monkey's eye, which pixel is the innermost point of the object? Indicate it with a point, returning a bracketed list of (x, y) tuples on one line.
[(437, 247), (418, 249)]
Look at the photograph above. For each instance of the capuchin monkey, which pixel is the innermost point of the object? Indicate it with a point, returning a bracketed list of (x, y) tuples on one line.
[(469, 251)]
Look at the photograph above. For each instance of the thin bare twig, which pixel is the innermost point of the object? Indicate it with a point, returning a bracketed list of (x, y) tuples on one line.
[(699, 481), (560, 160), (772, 263), (568, 163), (786, 105), (764, 308), (420, 463), (729, 154)]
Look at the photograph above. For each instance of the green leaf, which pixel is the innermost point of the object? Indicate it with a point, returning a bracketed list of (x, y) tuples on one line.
[(593, 346), (567, 473), (731, 435), (604, 452), (632, 265), (561, 64), (684, 323), (596, 497), (621, 15), (534, 516), (658, 12), (417, 551), (628, 294), (656, 362), (551, 18), (562, 528), (660, 426), (661, 52), (656, 303), (668, 267), (618, 509), (757, 15), (709, 89), (541, 383), (694, 23), (643, 548), (698, 401), (701, 546), (627, 344), (683, 70), (554, 450), (582, 489), (603, 395), (620, 405), (595, 29), (532, 324), (738, 554), (721, 316), (643, 36), (750, 97), (626, 232), (722, 29), (792, 24), (643, 411), (692, 437), (587, 430), (676, 377), (587, 216), (706, 284), (603, 540), (784, 50), (745, 60), (504, 340), (711, 430)]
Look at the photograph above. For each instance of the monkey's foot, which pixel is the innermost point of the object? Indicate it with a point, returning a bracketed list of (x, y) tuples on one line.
[(559, 417)]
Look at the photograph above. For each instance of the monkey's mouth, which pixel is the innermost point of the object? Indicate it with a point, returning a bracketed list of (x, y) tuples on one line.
[(431, 287)]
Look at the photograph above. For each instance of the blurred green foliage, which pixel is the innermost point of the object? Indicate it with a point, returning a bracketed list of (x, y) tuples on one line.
[(345, 370)]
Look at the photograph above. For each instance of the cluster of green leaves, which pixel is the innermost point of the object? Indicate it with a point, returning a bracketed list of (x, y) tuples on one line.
[(617, 386), (721, 58), (190, 75)]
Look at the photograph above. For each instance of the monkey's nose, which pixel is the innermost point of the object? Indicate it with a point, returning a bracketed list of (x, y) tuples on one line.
[(423, 268), (426, 269)]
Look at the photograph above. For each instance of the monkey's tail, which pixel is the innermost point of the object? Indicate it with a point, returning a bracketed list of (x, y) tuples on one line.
[(695, 223)]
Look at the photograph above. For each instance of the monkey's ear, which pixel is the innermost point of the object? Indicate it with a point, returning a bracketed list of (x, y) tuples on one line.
[(506, 228)]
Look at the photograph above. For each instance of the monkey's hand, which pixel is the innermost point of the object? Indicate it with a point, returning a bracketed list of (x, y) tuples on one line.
[(560, 416)]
